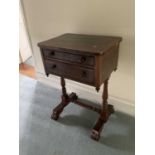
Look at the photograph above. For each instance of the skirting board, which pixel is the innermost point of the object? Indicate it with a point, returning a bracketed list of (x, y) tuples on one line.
[(89, 92)]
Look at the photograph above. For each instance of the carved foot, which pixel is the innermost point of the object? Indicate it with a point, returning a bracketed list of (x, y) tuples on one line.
[(73, 97), (56, 112), (54, 116), (95, 133), (111, 109), (65, 101), (58, 109)]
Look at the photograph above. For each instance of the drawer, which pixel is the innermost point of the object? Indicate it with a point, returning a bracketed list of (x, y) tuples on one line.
[(72, 72), (74, 58)]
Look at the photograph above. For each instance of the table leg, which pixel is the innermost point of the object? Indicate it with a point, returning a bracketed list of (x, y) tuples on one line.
[(64, 101), (105, 113)]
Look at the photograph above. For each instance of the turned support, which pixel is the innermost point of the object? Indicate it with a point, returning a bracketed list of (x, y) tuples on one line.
[(106, 110), (64, 101), (64, 93)]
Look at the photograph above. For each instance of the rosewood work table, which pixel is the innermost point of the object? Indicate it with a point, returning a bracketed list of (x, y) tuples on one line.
[(88, 59)]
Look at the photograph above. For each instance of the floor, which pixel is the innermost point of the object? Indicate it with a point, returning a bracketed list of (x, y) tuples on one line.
[(27, 68), (70, 135)]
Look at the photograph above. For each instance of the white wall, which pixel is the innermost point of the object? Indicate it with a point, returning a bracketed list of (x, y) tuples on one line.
[(24, 46), (49, 18)]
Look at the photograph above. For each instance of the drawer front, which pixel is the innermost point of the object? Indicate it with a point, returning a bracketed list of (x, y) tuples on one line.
[(74, 58), (72, 72)]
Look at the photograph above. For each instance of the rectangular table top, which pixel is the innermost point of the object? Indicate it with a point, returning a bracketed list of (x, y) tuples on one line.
[(94, 44)]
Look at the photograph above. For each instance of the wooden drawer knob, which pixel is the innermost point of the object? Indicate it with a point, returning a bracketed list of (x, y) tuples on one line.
[(83, 59), (54, 66), (52, 53)]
